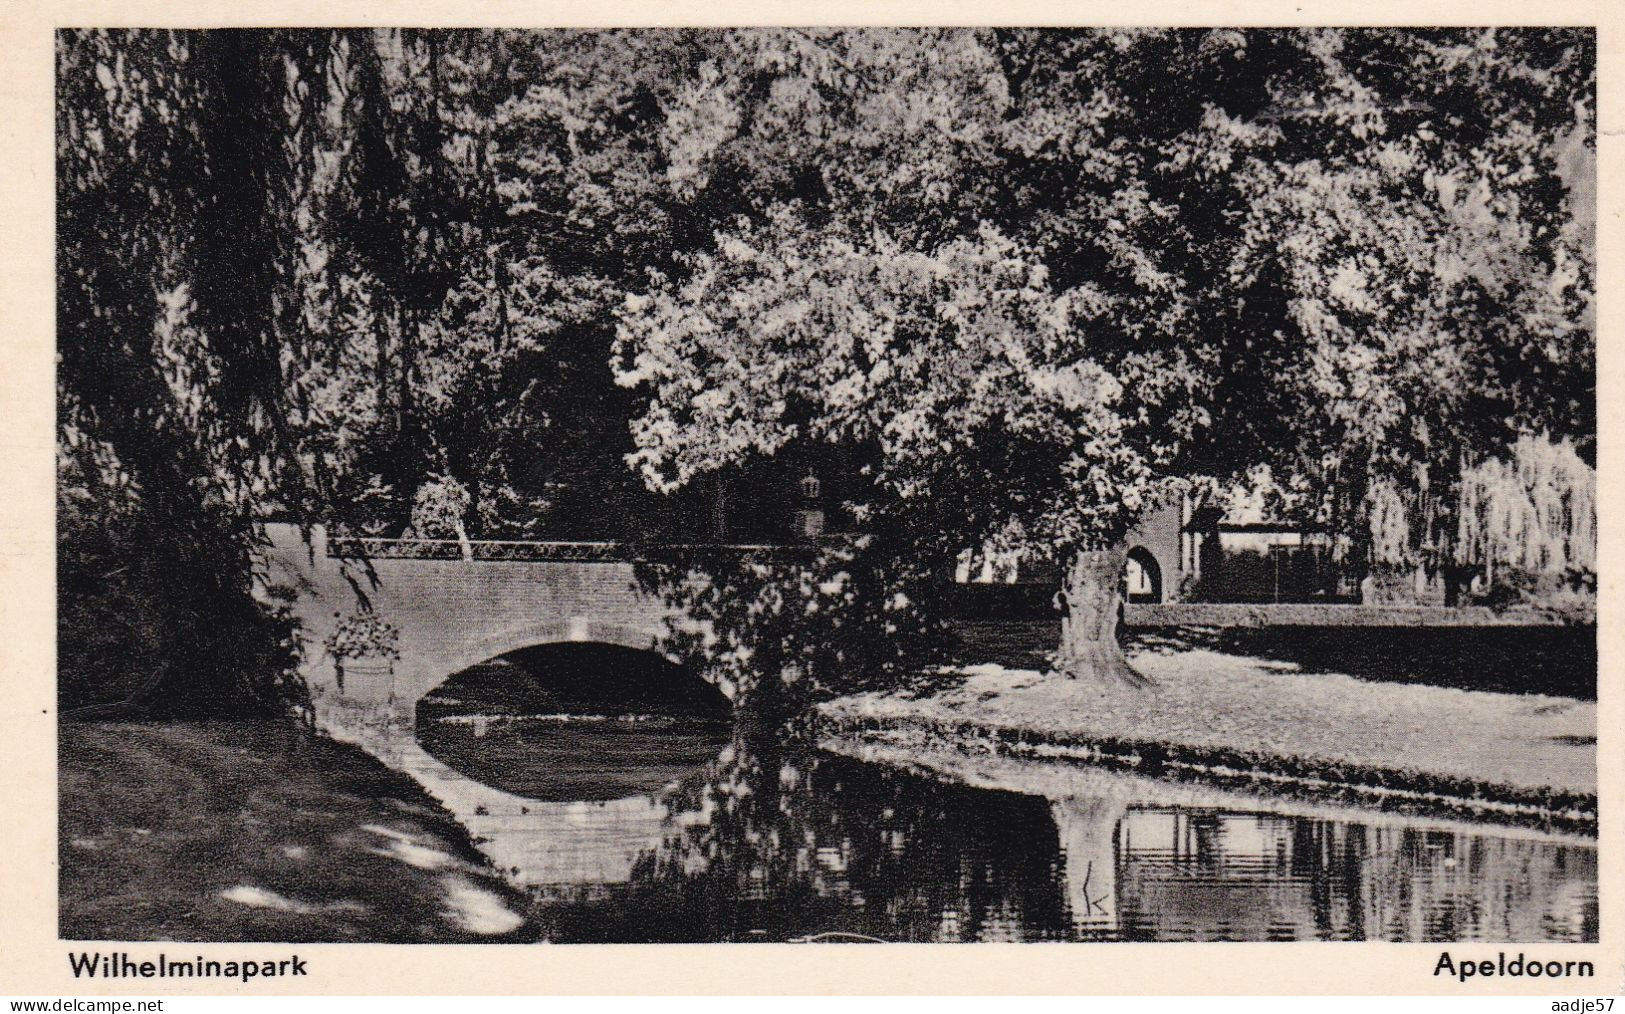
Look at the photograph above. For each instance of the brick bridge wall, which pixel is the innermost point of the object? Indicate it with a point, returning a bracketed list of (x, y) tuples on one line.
[(450, 614)]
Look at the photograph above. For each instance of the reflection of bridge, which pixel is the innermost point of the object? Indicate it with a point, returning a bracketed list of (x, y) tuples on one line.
[(450, 606), (566, 847)]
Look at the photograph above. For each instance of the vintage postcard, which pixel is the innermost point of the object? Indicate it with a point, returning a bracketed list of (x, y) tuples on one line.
[(813, 492)]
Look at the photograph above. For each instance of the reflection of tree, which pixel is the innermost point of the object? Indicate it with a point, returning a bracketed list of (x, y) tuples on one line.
[(1253, 877), (1087, 829), (774, 844), (822, 844), (1442, 886)]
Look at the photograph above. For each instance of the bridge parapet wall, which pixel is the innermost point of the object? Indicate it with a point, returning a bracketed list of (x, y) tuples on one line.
[(450, 611), (351, 547)]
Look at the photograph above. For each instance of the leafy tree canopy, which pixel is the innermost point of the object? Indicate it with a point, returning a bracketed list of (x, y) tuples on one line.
[(1018, 277)]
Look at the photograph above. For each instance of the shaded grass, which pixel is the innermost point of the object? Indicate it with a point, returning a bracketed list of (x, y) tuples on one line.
[(1557, 660), (249, 830), (1516, 660)]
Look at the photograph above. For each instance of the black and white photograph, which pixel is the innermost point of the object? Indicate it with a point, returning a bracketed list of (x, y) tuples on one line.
[(827, 486)]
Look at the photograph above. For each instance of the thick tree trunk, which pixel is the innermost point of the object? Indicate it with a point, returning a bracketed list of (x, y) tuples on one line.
[(1089, 602)]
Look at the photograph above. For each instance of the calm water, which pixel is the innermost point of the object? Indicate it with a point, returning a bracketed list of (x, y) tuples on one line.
[(686, 830)]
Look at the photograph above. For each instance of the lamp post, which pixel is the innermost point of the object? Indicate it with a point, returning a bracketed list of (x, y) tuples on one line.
[(809, 515)]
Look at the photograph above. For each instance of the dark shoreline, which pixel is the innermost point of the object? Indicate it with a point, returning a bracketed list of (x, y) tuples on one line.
[(1310, 779)]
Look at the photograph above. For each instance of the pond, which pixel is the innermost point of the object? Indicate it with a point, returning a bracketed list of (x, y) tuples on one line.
[(686, 828)]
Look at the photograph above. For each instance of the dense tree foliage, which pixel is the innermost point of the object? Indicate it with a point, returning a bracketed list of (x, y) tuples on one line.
[(451, 284), (181, 166), (1359, 256)]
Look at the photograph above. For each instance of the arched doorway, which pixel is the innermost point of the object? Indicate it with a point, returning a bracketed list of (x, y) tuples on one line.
[(1143, 576)]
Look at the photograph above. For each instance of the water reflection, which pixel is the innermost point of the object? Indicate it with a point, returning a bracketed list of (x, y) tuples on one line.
[(1192, 875), (761, 842), (580, 758)]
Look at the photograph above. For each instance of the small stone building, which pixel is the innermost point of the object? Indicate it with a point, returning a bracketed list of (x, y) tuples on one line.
[(1177, 552)]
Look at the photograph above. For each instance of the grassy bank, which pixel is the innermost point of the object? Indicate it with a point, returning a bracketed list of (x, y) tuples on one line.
[(1240, 719), (239, 830)]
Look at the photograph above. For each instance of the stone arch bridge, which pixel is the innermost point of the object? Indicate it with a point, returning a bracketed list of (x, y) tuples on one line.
[(452, 605), (447, 606)]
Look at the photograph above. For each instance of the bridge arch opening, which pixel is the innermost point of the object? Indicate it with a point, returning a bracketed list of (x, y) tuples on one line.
[(575, 721), (581, 679)]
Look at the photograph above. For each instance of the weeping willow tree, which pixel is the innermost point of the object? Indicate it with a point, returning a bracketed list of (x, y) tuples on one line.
[(185, 174), (1528, 517), (1535, 512)]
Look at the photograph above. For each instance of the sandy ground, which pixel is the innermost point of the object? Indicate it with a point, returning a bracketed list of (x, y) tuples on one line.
[(217, 831), (1204, 699)]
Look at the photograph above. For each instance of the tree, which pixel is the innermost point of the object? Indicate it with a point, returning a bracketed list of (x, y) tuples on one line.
[(963, 376), (1437, 264), (1347, 253), (1367, 253), (1013, 279), (910, 307), (521, 170), (566, 183), (183, 166)]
